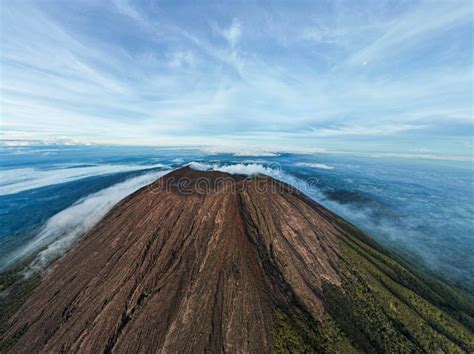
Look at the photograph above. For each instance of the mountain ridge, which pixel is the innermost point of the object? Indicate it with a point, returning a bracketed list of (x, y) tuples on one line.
[(231, 264)]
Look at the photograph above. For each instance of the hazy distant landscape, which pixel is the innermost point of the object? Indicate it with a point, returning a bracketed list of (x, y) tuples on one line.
[(422, 209)]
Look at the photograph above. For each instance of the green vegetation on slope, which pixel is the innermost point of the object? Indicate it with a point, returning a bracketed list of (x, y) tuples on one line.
[(14, 290), (297, 332), (381, 307)]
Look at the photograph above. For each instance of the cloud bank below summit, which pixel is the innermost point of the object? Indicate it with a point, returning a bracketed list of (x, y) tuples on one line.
[(21, 179), (321, 166), (63, 230)]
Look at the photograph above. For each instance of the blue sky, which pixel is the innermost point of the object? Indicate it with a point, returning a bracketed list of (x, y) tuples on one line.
[(355, 76)]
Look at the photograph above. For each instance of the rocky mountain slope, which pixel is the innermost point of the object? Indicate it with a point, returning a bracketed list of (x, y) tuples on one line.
[(211, 262)]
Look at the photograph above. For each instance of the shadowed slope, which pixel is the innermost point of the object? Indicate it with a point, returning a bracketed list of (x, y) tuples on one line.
[(206, 261)]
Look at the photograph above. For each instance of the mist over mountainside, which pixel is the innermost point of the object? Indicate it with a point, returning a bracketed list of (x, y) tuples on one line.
[(420, 209), (208, 261)]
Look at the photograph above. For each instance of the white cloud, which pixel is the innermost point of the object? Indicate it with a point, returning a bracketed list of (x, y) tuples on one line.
[(125, 8), (360, 130), (410, 28), (200, 166), (315, 165), (21, 140), (252, 153), (233, 33), (181, 58), (320, 34), (62, 230), (240, 168), (241, 151), (177, 83), (245, 169), (21, 179), (270, 170)]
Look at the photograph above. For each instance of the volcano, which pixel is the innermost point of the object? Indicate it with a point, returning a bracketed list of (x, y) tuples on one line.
[(205, 261)]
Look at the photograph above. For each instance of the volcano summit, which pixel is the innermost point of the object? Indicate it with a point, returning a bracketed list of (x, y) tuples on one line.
[(212, 262)]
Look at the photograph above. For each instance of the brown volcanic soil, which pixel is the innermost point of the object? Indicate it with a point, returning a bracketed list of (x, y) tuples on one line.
[(197, 269), (194, 270)]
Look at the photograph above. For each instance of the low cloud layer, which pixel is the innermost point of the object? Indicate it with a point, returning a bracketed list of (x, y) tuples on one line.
[(250, 169), (21, 179), (62, 230), (321, 166), (247, 169)]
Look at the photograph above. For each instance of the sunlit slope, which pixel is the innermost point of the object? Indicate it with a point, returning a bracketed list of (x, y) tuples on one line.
[(224, 263), (382, 306)]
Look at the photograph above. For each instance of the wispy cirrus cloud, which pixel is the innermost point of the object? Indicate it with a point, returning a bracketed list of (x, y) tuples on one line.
[(158, 73), (357, 130), (233, 33), (414, 28)]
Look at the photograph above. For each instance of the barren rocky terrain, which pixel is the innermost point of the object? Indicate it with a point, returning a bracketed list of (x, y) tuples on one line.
[(212, 262)]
